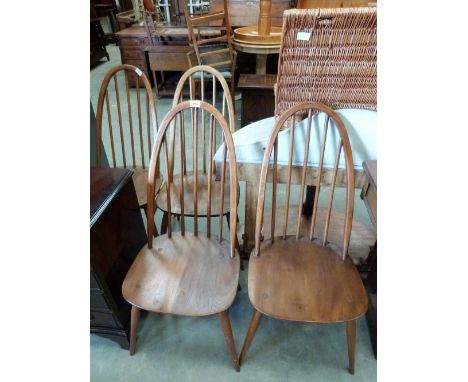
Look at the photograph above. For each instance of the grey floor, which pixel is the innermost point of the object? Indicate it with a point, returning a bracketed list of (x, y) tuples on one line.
[(193, 349)]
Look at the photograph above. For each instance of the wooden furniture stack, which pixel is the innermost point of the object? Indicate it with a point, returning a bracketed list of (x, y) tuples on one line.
[(117, 234)]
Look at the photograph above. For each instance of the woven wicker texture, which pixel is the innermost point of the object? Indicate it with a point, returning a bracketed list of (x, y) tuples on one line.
[(337, 65)]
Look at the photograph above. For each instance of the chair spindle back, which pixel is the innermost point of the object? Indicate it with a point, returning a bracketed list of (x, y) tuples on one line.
[(176, 120), (301, 164), (126, 126), (192, 74)]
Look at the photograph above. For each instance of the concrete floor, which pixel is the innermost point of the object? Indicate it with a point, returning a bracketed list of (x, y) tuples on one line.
[(173, 348)]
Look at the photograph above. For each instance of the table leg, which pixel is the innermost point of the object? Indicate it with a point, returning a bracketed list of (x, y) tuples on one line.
[(261, 63), (251, 195), (308, 205)]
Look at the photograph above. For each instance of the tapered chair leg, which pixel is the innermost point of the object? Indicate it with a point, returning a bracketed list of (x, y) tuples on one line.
[(227, 330), (250, 334), (351, 335), (134, 319)]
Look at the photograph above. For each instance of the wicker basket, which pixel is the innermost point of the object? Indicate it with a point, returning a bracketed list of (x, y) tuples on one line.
[(335, 65)]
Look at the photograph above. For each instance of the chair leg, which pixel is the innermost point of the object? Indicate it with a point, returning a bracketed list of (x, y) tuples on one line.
[(351, 335), (134, 319), (250, 334), (228, 218), (227, 330), (164, 221)]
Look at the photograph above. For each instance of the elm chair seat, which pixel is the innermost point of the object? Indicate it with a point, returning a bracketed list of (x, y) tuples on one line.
[(299, 280), (183, 275)]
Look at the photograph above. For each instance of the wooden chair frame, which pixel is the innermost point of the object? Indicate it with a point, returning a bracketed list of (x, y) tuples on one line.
[(132, 288), (311, 244)]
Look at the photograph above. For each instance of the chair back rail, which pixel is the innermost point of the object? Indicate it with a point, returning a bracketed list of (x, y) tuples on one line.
[(328, 55), (127, 126), (171, 126), (310, 109)]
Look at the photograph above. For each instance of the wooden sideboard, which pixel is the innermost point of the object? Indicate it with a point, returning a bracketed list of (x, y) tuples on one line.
[(132, 44), (117, 234)]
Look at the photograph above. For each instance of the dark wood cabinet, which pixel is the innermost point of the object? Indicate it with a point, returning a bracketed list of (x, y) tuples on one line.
[(117, 234), (258, 98), (97, 42)]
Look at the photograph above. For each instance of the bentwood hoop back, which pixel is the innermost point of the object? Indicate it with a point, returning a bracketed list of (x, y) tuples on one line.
[(131, 143), (188, 272), (304, 277), (289, 118)]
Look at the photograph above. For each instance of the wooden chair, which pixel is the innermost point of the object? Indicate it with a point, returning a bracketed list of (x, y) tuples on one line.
[(203, 73), (215, 51), (136, 144), (188, 273), (299, 278)]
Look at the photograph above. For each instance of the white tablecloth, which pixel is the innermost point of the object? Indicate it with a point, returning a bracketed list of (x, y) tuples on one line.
[(251, 140)]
